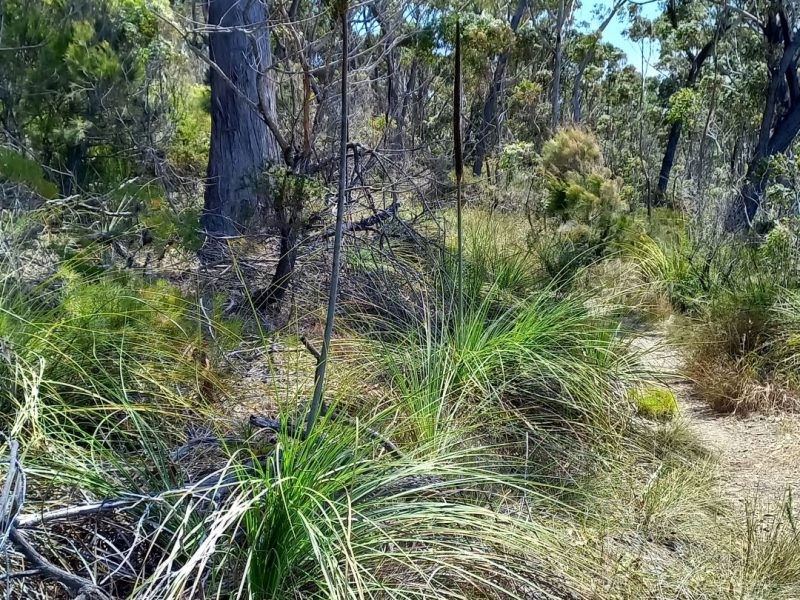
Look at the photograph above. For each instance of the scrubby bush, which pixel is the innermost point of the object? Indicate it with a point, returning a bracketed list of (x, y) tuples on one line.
[(190, 145), (584, 198), (581, 188), (88, 334)]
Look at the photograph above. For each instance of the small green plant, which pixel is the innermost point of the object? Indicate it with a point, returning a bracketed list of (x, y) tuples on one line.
[(189, 148), (16, 168), (655, 403)]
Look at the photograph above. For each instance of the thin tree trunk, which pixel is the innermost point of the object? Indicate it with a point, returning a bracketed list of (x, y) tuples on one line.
[(776, 133), (489, 127), (578, 83), (758, 172), (675, 130), (559, 52), (669, 158)]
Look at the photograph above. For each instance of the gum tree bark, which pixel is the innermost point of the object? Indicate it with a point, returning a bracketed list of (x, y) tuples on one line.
[(677, 127), (558, 59), (696, 62), (242, 145), (780, 122)]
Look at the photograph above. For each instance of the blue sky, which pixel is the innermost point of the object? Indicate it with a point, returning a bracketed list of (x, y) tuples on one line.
[(614, 31)]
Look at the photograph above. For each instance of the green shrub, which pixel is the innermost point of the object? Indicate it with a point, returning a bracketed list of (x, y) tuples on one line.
[(190, 146), (655, 403), (581, 188), (544, 352), (92, 335), (572, 150), (16, 168)]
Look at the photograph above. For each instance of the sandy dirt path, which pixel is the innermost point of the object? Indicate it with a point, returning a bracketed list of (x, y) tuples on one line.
[(759, 455)]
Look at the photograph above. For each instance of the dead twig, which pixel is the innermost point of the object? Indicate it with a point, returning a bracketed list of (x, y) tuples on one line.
[(314, 352), (363, 224)]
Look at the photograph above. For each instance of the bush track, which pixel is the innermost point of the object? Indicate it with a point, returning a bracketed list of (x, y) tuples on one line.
[(758, 454)]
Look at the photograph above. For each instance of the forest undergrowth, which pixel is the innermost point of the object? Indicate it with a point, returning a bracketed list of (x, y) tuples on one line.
[(344, 300), (521, 448)]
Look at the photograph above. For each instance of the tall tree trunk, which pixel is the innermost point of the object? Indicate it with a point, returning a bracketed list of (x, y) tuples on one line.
[(697, 62), (749, 199), (242, 145), (489, 126), (669, 158), (780, 122), (558, 58)]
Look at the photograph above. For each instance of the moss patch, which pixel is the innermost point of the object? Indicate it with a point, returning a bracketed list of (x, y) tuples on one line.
[(655, 403)]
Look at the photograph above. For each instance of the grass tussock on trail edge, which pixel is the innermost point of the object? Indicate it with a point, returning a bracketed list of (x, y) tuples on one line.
[(738, 309)]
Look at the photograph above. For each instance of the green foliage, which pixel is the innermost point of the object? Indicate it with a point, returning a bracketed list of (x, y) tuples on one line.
[(329, 514), (581, 189), (572, 150), (684, 107), (90, 333), (166, 226), (654, 403), (519, 156), (739, 300), (545, 352), (77, 80), (16, 168), (190, 147), (585, 198), (482, 34)]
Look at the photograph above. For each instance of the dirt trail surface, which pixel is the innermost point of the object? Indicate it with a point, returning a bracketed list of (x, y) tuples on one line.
[(759, 455)]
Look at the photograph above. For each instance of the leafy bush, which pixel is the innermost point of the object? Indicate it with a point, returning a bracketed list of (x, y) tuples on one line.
[(190, 146), (572, 150), (584, 197), (581, 189)]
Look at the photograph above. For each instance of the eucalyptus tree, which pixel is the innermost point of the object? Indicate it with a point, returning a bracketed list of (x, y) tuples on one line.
[(74, 92), (242, 104), (688, 32), (588, 46), (778, 23), (489, 126)]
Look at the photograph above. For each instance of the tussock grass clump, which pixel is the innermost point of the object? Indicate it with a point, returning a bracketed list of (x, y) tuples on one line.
[(95, 333), (738, 300), (331, 515), (770, 559), (743, 357), (100, 377), (549, 355)]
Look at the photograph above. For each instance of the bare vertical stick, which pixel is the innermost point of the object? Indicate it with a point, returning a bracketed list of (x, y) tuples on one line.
[(458, 158), (319, 374)]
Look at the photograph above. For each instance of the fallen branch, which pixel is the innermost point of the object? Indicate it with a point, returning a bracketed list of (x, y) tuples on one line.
[(366, 223), (314, 352), (83, 510), (76, 584), (11, 501)]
